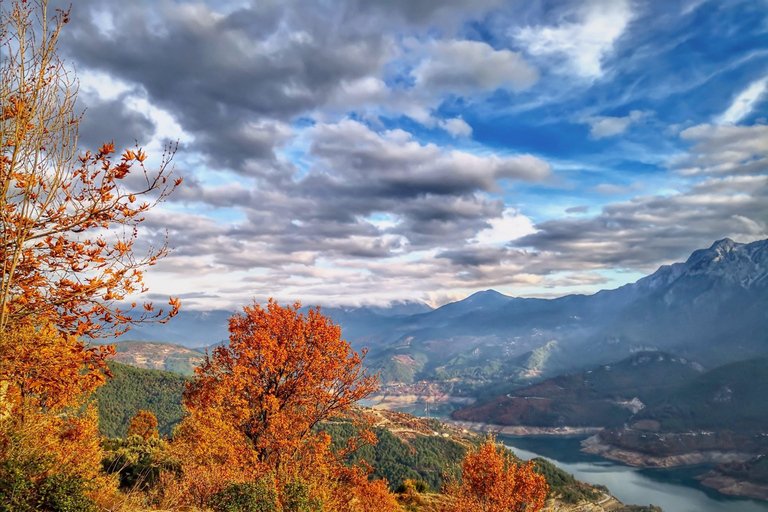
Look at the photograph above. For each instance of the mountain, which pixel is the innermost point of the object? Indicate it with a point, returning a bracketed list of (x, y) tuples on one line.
[(198, 329), (158, 355), (732, 397), (712, 308), (605, 396)]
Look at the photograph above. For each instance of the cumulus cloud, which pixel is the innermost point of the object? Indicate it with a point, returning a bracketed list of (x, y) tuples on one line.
[(579, 47), (303, 181), (605, 126), (612, 189), (467, 66), (511, 226), (457, 127), (725, 150)]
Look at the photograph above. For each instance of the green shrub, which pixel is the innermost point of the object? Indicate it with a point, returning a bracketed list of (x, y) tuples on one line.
[(64, 493), (248, 497), (55, 493), (296, 499), (137, 461)]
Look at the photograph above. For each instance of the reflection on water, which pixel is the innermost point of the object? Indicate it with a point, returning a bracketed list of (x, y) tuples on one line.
[(674, 490)]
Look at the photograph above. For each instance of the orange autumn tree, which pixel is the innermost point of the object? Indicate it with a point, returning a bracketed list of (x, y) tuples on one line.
[(143, 424), (46, 370), (491, 481), (68, 221), (282, 373)]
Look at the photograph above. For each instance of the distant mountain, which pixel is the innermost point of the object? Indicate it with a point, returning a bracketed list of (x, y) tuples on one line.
[(731, 397), (712, 308), (209, 328), (605, 396), (157, 355)]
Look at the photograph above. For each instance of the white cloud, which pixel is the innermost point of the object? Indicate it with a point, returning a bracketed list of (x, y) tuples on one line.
[(469, 66), (511, 226), (744, 103), (602, 126), (725, 149), (611, 189), (582, 44), (457, 127)]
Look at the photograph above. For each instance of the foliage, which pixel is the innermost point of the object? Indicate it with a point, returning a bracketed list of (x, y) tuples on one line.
[(564, 486), (260, 496), (282, 373), (133, 389), (137, 461), (54, 493), (144, 425), (60, 212), (49, 459), (63, 493), (425, 458), (297, 498), (492, 482), (42, 368), (410, 485)]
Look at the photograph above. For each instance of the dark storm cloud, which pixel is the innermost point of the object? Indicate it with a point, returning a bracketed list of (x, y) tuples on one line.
[(230, 80), (111, 120)]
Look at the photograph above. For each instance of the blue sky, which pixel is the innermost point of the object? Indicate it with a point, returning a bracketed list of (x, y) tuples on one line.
[(355, 151)]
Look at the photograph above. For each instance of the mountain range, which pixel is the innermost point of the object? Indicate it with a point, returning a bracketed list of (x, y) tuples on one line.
[(712, 309)]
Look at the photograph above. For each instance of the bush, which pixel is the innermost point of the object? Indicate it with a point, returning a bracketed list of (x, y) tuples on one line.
[(296, 499), (55, 493), (63, 493), (247, 497), (137, 461), (419, 486)]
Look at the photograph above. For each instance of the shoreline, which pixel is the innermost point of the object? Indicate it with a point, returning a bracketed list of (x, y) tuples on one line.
[(731, 486), (721, 483), (595, 446), (517, 430)]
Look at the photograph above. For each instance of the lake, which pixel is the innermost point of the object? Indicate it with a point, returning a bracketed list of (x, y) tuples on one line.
[(674, 490)]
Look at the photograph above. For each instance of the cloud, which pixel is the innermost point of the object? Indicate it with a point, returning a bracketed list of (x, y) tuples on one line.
[(645, 231), (232, 80), (612, 189), (457, 127), (470, 66), (511, 226), (579, 47), (744, 103), (114, 119), (603, 126), (724, 149), (577, 209)]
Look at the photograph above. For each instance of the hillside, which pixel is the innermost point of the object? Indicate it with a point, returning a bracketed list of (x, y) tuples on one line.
[(408, 447), (730, 397), (156, 355), (608, 395), (131, 389)]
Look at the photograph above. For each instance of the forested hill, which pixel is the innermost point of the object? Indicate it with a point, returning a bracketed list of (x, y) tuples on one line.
[(132, 389), (408, 447)]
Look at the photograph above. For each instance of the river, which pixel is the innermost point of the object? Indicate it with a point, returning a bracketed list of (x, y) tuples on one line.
[(674, 490)]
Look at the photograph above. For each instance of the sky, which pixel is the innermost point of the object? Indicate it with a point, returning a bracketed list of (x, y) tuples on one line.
[(353, 152)]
